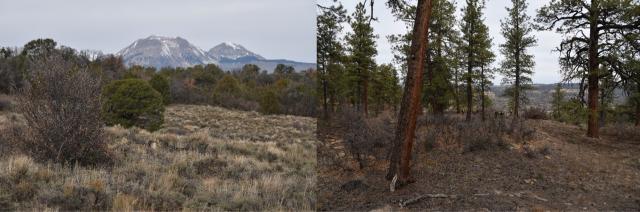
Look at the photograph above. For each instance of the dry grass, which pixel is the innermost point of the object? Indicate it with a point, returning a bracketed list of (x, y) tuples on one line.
[(204, 158)]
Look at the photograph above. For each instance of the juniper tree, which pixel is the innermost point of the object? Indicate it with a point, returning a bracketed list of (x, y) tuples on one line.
[(517, 67)]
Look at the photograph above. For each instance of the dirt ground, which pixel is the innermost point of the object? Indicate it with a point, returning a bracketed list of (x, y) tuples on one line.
[(575, 173)]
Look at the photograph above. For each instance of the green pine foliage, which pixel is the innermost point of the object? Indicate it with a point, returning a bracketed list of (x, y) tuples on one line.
[(385, 88), (443, 37), (362, 50), (476, 48), (329, 55), (517, 67)]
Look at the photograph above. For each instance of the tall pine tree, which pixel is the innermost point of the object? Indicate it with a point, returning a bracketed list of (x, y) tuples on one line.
[(517, 67), (476, 46), (441, 60), (362, 48), (606, 21), (329, 53)]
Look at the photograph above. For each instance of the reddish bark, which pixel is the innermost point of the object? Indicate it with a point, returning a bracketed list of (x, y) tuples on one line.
[(410, 106)]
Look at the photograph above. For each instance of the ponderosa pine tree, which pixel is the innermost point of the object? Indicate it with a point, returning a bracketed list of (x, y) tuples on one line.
[(385, 87), (410, 104), (329, 52), (362, 48), (485, 59), (474, 45), (517, 67), (441, 59), (607, 21)]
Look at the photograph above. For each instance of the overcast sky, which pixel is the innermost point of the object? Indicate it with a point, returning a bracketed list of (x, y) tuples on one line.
[(276, 29), (546, 69)]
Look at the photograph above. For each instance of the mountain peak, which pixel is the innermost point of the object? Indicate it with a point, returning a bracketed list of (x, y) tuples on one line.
[(160, 51), (231, 45), (228, 50)]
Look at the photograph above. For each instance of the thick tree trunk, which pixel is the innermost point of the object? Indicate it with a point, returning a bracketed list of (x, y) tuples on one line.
[(405, 131), (592, 123)]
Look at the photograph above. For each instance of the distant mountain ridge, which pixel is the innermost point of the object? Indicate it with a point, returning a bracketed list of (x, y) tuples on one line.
[(160, 51)]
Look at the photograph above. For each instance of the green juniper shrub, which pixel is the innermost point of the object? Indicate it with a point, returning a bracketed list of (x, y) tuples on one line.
[(132, 102), (269, 103), (161, 84), (228, 85)]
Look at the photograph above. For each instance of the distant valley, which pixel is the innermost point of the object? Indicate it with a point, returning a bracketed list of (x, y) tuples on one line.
[(159, 52), (542, 94)]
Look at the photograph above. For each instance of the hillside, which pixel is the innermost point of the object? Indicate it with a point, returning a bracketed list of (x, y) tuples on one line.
[(557, 168), (204, 158)]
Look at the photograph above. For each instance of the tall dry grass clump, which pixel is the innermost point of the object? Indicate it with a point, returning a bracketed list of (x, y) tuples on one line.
[(61, 105)]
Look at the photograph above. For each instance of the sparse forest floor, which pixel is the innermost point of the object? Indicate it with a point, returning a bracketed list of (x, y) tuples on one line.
[(557, 169), (204, 158)]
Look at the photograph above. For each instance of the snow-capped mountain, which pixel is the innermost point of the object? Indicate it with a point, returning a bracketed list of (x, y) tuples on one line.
[(159, 51), (231, 51)]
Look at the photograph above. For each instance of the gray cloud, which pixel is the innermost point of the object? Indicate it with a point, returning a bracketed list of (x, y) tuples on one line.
[(274, 28), (546, 70)]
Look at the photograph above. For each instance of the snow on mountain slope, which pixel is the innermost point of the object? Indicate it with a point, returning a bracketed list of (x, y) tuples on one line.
[(231, 51), (159, 51)]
